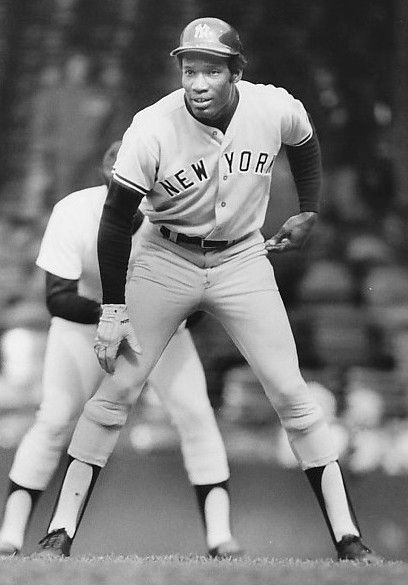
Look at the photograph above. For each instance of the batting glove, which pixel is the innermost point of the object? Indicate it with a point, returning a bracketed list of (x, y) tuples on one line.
[(114, 328)]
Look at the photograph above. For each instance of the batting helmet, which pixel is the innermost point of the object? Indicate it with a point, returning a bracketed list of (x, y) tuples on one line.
[(209, 35)]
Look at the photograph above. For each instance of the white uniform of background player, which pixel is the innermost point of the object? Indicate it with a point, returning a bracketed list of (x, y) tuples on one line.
[(72, 374), (203, 157)]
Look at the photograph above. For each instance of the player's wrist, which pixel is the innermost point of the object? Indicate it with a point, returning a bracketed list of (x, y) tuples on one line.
[(113, 312)]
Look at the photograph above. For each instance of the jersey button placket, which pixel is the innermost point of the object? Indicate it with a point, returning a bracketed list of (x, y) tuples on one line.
[(218, 136), (223, 185)]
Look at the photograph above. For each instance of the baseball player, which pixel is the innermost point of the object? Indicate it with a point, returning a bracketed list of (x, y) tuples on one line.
[(72, 373), (203, 157)]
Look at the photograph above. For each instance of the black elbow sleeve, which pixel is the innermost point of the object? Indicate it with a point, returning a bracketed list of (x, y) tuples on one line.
[(305, 164), (115, 240)]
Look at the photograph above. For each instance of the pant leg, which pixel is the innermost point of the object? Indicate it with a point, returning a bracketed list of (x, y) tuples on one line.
[(71, 374), (179, 380), (244, 296), (161, 293)]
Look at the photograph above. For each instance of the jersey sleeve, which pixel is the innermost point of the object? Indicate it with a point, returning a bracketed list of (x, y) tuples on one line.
[(137, 160), (296, 128), (60, 247)]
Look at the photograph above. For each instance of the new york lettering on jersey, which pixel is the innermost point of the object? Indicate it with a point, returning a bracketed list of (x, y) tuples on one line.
[(236, 162)]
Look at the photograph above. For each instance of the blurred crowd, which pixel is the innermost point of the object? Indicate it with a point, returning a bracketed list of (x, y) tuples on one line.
[(346, 293)]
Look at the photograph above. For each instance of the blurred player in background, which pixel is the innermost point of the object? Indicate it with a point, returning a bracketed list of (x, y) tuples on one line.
[(72, 373), (203, 156)]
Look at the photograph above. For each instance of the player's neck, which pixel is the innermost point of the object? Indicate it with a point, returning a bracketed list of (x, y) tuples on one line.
[(223, 120)]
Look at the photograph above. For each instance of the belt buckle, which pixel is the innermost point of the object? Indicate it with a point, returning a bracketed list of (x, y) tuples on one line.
[(206, 244), (173, 237)]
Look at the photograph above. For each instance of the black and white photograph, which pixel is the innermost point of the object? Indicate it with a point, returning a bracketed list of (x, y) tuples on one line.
[(204, 292)]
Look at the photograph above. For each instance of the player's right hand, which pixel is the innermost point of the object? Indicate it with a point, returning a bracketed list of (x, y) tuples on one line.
[(113, 329)]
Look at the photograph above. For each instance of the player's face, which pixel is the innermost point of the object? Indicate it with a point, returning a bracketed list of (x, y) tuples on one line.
[(209, 85)]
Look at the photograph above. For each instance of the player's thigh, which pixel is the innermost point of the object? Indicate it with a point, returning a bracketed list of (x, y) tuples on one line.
[(254, 316), (71, 371), (178, 378), (155, 318), (161, 293)]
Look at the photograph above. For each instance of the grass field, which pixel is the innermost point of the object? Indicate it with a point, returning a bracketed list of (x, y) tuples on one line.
[(179, 570)]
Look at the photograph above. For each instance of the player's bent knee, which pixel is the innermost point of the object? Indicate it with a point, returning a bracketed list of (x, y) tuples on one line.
[(55, 432), (313, 447), (301, 418), (60, 433), (308, 433), (106, 413)]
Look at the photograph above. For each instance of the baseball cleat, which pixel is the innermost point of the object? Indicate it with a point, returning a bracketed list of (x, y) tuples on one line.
[(55, 544), (351, 548), (226, 550), (7, 549)]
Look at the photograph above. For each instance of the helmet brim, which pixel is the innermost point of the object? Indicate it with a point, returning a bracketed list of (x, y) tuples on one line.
[(219, 52)]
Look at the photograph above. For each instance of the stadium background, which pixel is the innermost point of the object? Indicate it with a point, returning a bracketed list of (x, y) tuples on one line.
[(72, 74)]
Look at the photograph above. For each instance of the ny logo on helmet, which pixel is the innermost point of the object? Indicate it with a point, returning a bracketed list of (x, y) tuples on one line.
[(202, 31)]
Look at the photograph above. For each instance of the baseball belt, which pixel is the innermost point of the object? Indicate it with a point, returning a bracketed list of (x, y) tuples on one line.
[(195, 240)]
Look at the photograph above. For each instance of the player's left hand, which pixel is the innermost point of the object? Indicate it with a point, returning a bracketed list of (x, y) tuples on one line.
[(293, 234), (113, 329)]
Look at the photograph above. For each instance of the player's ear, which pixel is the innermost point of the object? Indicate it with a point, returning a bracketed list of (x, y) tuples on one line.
[(236, 76)]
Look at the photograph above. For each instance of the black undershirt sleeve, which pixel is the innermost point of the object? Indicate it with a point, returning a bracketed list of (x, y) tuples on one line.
[(63, 300), (115, 240), (306, 166), (137, 221)]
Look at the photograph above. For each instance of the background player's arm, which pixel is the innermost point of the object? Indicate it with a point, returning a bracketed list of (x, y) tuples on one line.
[(63, 300), (62, 296), (306, 167)]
